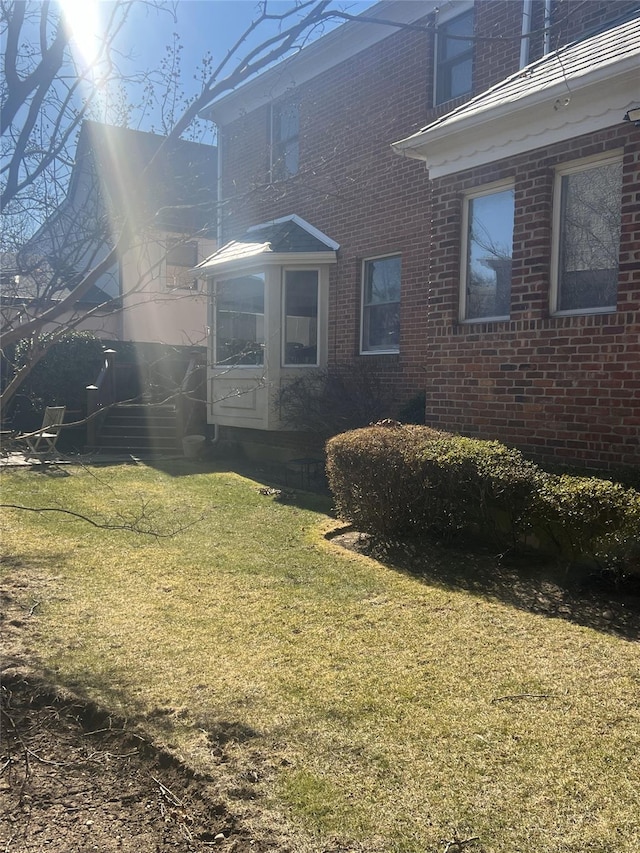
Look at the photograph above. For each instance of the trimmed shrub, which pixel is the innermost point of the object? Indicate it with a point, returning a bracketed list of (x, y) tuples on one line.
[(397, 480), (374, 475), (393, 481), (586, 519)]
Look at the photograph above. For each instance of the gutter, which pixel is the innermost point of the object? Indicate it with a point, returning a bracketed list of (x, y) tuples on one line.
[(342, 43), (469, 120)]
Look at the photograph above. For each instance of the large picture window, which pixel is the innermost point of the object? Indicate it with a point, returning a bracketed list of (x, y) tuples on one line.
[(381, 305), (487, 255), (239, 325), (300, 317), (285, 129), (454, 58), (587, 223)]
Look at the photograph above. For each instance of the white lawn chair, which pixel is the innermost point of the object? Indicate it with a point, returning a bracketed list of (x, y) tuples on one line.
[(42, 442)]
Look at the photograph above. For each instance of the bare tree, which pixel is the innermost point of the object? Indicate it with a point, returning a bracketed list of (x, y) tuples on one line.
[(45, 100)]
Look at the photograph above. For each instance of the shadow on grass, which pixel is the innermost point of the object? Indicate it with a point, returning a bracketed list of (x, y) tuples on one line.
[(283, 486), (149, 722), (525, 581)]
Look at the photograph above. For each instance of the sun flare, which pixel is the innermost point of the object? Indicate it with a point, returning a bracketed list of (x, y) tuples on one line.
[(82, 18)]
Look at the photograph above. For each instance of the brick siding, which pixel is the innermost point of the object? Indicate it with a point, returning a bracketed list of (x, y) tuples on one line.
[(561, 388), (558, 387)]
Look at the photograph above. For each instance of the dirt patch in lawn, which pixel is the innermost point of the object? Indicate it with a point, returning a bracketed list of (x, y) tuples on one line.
[(75, 778)]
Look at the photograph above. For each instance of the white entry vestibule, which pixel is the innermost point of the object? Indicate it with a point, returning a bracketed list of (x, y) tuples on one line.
[(268, 314)]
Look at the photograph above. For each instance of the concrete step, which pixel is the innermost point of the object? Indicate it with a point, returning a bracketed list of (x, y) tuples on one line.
[(140, 429)]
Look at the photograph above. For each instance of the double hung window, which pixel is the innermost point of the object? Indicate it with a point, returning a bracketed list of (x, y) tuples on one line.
[(586, 233), (182, 256), (454, 57), (381, 305), (285, 130), (487, 254)]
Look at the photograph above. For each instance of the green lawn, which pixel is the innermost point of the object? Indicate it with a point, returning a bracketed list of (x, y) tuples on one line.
[(373, 706)]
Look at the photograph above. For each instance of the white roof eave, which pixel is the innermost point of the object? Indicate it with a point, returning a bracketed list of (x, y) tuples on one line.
[(326, 52), (211, 267), (454, 140)]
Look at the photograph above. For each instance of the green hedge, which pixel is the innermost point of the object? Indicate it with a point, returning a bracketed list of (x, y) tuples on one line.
[(394, 481), (587, 518), (60, 378)]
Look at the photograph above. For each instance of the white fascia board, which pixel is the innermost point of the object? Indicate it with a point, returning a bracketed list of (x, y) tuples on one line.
[(567, 110), (292, 259), (256, 262), (321, 55)]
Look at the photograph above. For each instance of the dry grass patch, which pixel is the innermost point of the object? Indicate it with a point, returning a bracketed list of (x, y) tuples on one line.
[(374, 707)]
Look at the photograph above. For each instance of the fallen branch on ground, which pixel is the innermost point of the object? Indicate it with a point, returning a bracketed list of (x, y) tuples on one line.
[(515, 696), (138, 524)]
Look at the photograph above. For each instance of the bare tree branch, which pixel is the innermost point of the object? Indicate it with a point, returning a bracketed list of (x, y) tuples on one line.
[(138, 523), (42, 112)]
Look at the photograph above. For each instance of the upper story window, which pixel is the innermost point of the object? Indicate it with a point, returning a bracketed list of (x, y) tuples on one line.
[(586, 236), (485, 292), (239, 320), (454, 57), (381, 305), (300, 338), (285, 129), (182, 256)]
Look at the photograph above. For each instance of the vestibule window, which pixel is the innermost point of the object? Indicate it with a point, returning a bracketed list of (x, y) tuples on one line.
[(487, 253), (285, 129), (587, 223), (300, 325), (454, 57), (381, 305), (239, 320)]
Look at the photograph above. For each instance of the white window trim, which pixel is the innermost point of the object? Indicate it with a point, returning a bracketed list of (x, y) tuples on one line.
[(477, 192), (560, 172), (365, 261), (443, 16), (283, 335)]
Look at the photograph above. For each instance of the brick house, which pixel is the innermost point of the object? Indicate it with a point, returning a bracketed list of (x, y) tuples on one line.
[(476, 281)]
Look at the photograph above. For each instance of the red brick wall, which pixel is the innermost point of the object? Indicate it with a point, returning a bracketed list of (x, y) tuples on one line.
[(351, 184), (570, 19), (558, 387), (561, 388)]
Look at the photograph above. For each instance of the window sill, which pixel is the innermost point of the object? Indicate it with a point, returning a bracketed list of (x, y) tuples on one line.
[(226, 366), (477, 320), (300, 366), (585, 312)]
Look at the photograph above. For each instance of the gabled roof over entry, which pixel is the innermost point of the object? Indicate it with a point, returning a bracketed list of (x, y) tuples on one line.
[(583, 87), (278, 241)]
